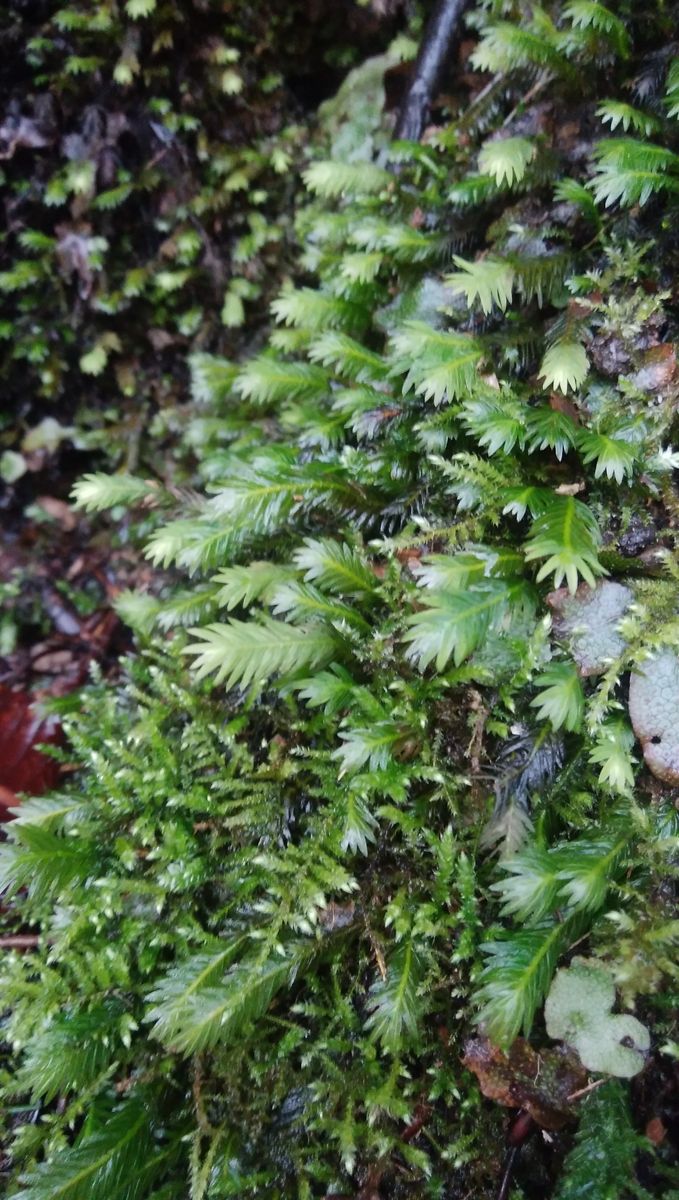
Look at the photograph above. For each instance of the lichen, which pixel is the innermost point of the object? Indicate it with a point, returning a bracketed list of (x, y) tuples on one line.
[(654, 711), (588, 621), (578, 1012)]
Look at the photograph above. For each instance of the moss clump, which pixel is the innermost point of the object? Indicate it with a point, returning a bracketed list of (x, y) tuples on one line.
[(286, 885)]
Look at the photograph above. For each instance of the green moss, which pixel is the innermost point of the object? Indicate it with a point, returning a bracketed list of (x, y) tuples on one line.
[(271, 908)]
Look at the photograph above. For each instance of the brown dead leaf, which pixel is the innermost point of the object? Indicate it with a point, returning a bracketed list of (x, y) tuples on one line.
[(59, 510), (8, 800), (609, 355), (53, 662), (523, 1078), (23, 768), (568, 135), (569, 489), (655, 1131), (559, 403), (336, 916), (492, 381), (98, 630)]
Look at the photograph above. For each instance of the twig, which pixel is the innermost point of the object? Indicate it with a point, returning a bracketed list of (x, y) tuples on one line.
[(468, 117), (505, 1182), (419, 1120), (584, 1091), (376, 949), (532, 92), (475, 746), (204, 1124), (20, 941), (439, 37), (520, 1130)]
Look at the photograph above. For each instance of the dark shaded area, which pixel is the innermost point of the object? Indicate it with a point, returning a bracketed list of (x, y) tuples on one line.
[(442, 34)]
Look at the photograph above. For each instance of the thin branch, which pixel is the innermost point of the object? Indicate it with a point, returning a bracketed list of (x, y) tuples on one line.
[(586, 1090), (532, 92), (440, 35), (507, 1173)]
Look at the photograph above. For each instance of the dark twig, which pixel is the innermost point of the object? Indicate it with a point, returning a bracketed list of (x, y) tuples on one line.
[(417, 1124), (440, 35), (520, 1130), (507, 1173)]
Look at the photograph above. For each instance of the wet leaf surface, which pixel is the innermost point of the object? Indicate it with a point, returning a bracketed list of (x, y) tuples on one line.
[(540, 1082), (23, 767)]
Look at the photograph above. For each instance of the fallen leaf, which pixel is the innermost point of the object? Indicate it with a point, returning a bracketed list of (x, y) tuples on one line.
[(570, 489), (540, 1082), (559, 403), (610, 355), (98, 630), (59, 510), (336, 916), (568, 134), (23, 727), (52, 662), (655, 1131), (8, 800), (160, 339)]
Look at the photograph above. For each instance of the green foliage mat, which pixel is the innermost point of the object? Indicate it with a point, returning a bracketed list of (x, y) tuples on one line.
[(390, 801)]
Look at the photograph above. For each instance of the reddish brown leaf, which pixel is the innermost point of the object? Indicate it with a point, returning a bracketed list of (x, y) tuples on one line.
[(23, 726), (539, 1082), (655, 1131), (559, 403), (59, 510)]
